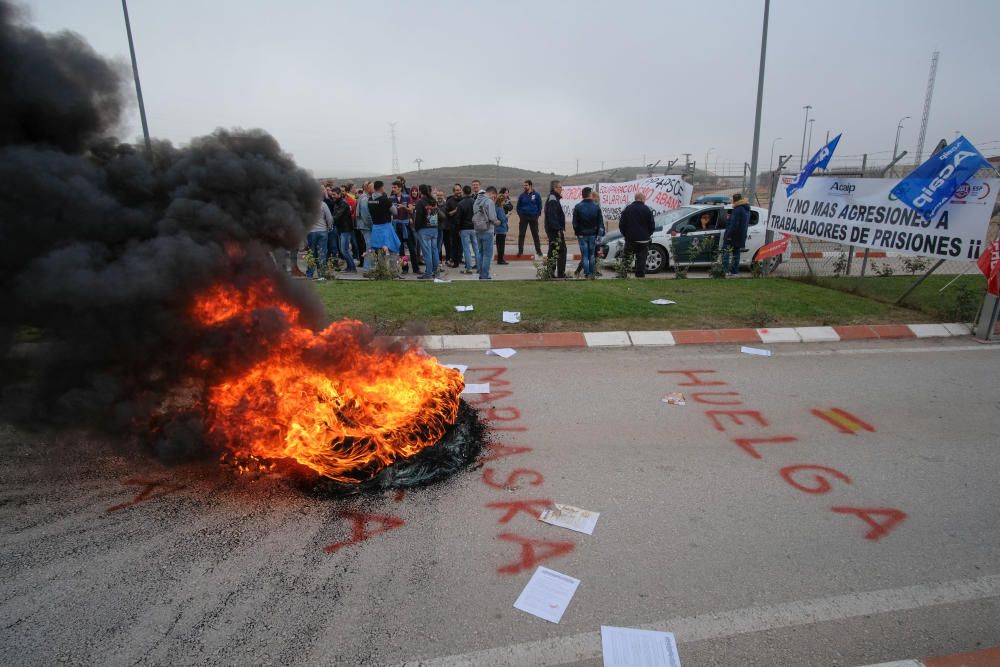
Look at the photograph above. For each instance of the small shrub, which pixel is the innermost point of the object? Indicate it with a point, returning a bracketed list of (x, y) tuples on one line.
[(385, 326), (536, 325), (966, 304), (840, 264), (882, 270), (624, 265), (916, 264), (760, 316), (757, 270), (545, 268), (385, 266)]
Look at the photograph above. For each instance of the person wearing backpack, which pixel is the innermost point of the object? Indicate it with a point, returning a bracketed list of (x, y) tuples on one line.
[(426, 223), (484, 220)]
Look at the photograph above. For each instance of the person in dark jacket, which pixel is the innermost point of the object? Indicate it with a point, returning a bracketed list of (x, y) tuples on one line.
[(529, 207), (588, 225), (466, 231), (736, 234), (636, 226), (452, 240), (555, 227), (344, 223)]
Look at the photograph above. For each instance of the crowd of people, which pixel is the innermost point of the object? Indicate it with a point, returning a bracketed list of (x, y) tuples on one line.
[(426, 232)]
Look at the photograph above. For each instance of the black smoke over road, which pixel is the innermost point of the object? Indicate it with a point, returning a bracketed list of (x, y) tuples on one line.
[(102, 250)]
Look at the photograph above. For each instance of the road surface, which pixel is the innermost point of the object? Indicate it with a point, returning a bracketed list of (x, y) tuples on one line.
[(829, 505)]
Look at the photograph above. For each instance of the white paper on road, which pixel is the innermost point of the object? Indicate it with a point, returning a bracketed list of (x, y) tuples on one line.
[(674, 398), (547, 594), (505, 352), (628, 647), (438, 280), (574, 518), (477, 388), (511, 316), (463, 309), (663, 302), (461, 368), (755, 350)]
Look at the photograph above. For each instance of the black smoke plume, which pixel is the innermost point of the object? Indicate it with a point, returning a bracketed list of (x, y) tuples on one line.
[(102, 249)]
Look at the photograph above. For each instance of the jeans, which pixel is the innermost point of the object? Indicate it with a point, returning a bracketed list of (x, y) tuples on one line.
[(431, 249), (346, 239), (528, 222), (731, 259), (501, 248), (406, 239), (484, 253), (588, 248), (557, 246), (366, 234), (333, 243), (316, 241), (468, 240)]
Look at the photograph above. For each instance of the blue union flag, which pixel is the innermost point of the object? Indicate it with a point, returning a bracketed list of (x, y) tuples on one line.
[(818, 161), (932, 184)]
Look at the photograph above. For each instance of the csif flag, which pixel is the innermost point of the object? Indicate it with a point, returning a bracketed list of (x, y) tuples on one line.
[(818, 161), (931, 185), (989, 264)]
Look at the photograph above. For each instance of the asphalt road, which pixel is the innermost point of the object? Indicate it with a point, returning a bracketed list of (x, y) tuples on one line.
[(890, 550)]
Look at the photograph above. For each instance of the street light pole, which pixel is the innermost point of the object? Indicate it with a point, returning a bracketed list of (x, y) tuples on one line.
[(899, 128), (752, 195), (706, 158), (770, 162), (809, 146), (805, 124), (138, 88)]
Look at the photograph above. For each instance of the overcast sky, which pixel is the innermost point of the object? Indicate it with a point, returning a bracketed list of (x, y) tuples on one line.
[(542, 84)]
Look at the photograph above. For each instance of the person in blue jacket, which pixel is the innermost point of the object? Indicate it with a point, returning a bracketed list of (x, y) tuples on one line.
[(588, 225), (529, 208), (503, 203)]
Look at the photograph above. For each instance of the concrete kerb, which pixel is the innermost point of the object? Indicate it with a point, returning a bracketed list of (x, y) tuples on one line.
[(824, 334)]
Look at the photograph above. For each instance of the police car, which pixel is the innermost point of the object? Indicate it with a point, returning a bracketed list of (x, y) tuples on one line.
[(677, 228)]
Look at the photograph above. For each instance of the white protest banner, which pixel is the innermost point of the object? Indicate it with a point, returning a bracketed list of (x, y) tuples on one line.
[(863, 212), (662, 194), (571, 196)]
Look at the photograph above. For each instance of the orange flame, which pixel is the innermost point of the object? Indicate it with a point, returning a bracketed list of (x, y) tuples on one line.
[(326, 400)]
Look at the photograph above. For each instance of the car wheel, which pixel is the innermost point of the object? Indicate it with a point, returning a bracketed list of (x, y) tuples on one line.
[(656, 260)]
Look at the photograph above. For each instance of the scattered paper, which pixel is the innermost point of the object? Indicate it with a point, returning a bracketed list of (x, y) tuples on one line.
[(511, 316), (627, 647), (461, 368), (438, 280), (663, 302), (505, 352), (463, 309), (547, 594), (477, 388), (755, 350), (574, 518), (674, 398)]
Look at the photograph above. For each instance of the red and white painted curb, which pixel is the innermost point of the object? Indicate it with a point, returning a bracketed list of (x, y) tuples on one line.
[(692, 336), (989, 657)]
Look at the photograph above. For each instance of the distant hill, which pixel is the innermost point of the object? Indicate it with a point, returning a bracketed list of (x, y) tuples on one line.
[(442, 178)]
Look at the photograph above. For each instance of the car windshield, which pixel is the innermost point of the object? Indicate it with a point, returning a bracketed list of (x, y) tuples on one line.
[(669, 217)]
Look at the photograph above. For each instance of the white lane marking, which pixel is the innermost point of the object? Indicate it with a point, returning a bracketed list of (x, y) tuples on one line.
[(587, 645)]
